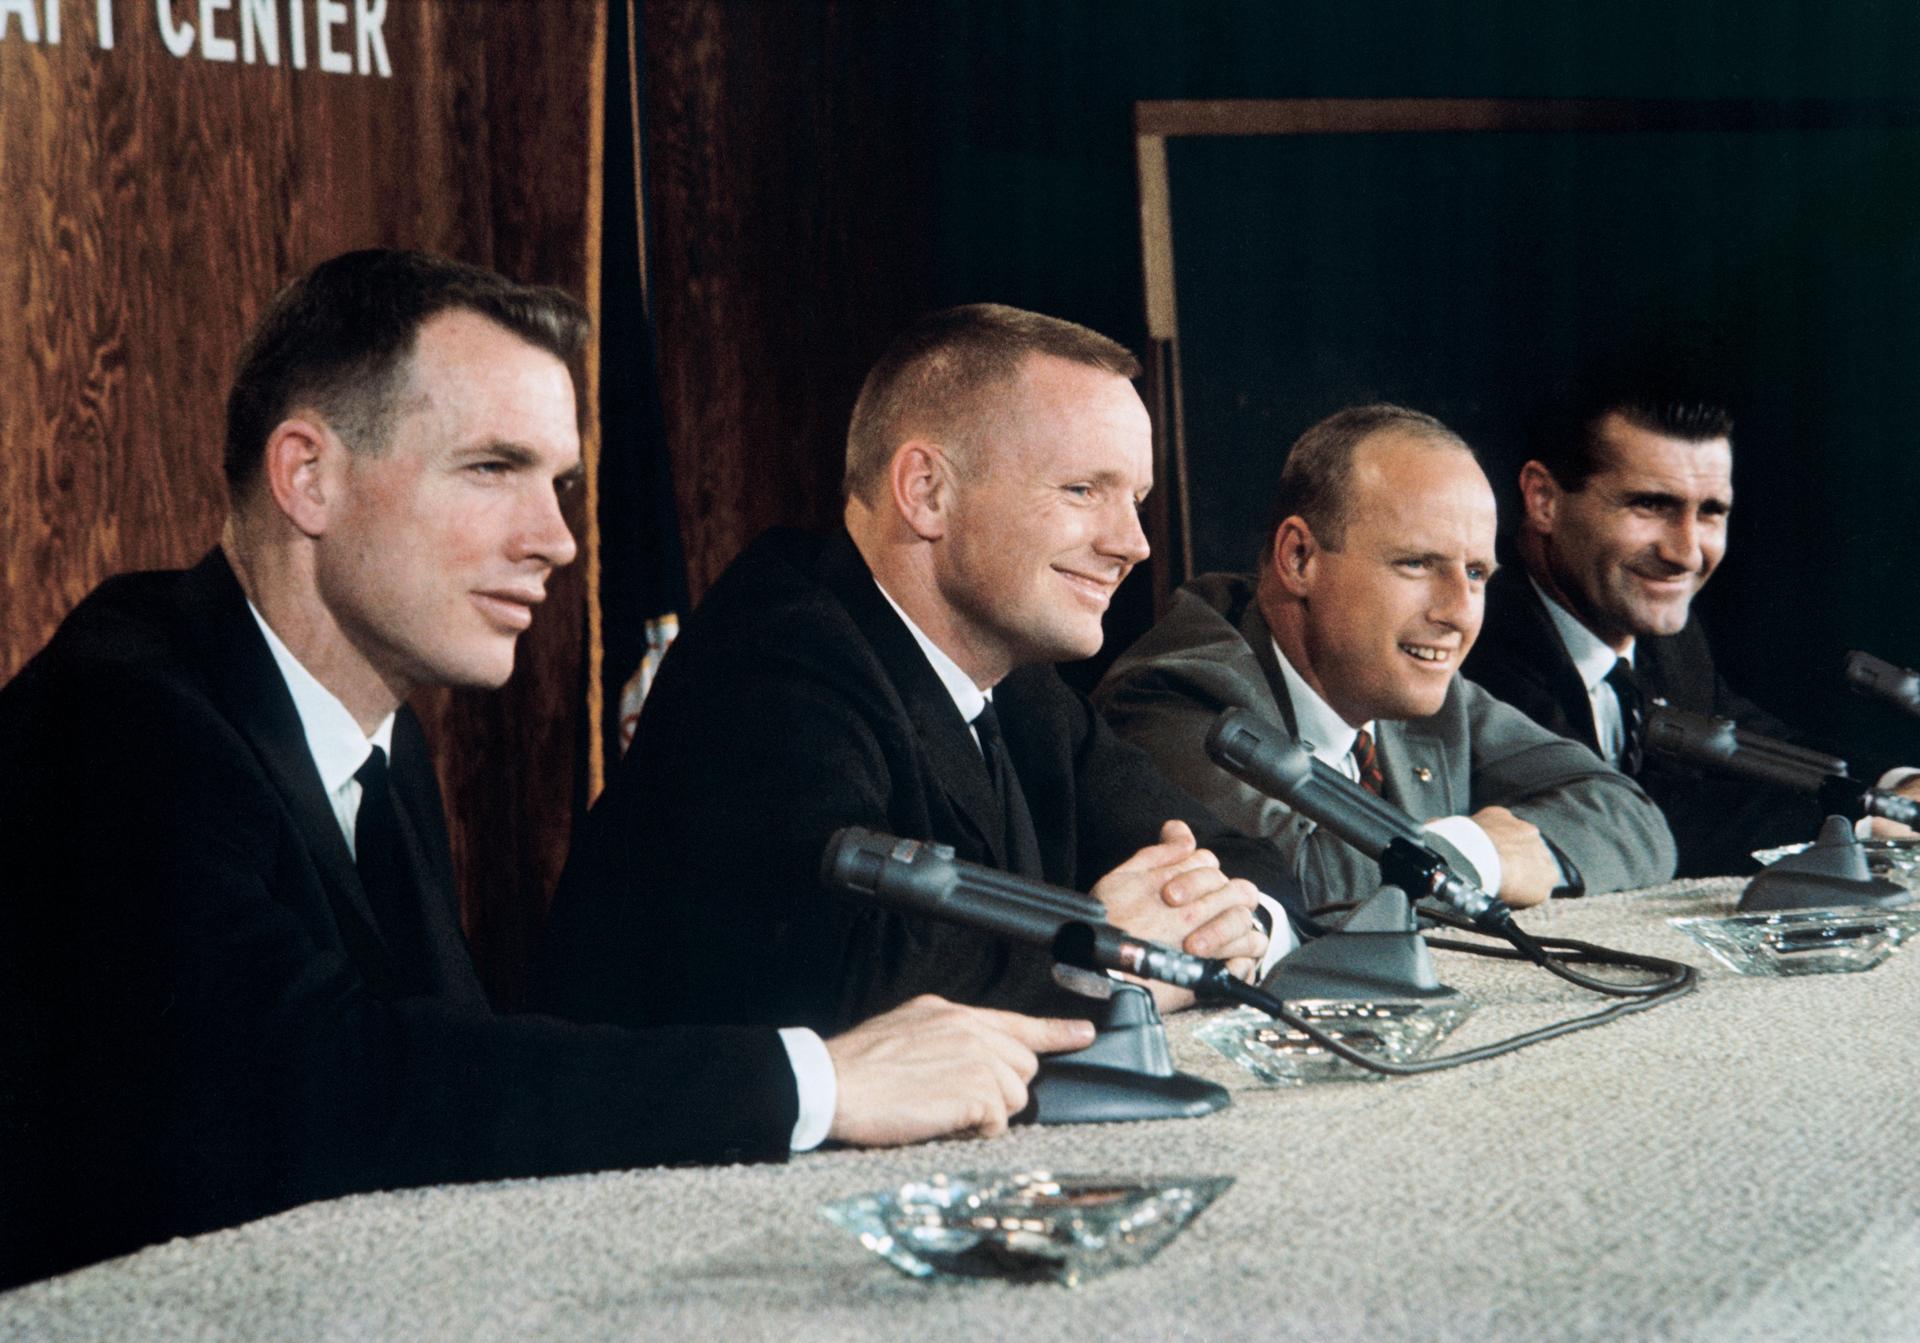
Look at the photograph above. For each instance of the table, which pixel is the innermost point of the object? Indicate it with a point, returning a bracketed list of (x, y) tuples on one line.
[(1737, 1164)]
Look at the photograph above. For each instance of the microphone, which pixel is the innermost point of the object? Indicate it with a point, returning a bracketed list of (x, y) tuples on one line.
[(1267, 758), (1879, 679), (1722, 744), (925, 878)]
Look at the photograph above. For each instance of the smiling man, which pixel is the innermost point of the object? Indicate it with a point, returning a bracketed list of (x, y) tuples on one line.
[(1369, 594), (1625, 519), (898, 676), (232, 976)]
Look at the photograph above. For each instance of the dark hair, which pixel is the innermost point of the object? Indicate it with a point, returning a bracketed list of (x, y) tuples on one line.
[(1315, 482), (339, 339), (1670, 389), (932, 378)]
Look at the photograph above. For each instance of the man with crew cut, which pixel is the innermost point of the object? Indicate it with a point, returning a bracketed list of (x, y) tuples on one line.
[(897, 675), (1350, 635)]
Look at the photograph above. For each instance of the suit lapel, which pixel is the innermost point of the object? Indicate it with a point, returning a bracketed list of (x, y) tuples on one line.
[(944, 736), (1253, 628), (240, 669), (423, 833), (1543, 648), (1414, 762)]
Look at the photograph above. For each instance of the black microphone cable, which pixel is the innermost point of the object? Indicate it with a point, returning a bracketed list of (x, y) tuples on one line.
[(1250, 995)]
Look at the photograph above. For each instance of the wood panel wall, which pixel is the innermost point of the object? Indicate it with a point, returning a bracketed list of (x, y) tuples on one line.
[(150, 204), (789, 195)]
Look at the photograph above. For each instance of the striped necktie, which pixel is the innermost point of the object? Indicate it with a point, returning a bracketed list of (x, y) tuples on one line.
[(1367, 757)]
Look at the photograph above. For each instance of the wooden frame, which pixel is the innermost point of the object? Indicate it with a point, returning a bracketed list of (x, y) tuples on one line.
[(1157, 122)]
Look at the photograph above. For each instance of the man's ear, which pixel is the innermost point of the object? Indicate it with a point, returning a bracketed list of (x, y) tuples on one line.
[(920, 481), (300, 469), (1292, 558), (1540, 496)]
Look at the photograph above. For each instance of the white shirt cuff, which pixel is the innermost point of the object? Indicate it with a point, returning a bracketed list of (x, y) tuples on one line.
[(1281, 938), (1465, 834), (814, 1079)]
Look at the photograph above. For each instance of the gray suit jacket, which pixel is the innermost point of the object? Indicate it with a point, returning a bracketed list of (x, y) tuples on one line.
[(1213, 651)]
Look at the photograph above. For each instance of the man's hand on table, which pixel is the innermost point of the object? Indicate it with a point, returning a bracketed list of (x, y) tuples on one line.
[(1174, 892), (1528, 872), (930, 1068)]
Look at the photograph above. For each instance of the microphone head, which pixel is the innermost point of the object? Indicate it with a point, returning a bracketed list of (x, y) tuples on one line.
[(1241, 741), (1864, 671), (1691, 736), (856, 858)]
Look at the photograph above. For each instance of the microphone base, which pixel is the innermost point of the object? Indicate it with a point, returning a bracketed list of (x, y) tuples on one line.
[(1126, 1074), (1833, 872), (1376, 956), (1065, 1092)]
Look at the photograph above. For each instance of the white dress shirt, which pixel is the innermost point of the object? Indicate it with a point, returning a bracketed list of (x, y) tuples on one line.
[(1330, 738), (969, 699), (339, 748)]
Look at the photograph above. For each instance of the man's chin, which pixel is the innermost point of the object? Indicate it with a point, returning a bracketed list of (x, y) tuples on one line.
[(480, 673), (1659, 621)]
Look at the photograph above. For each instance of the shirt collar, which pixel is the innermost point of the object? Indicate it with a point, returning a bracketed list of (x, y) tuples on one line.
[(335, 740), (1326, 733), (968, 698), (1592, 657)]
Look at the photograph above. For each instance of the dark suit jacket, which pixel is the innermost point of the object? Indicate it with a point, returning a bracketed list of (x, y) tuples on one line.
[(1717, 822), (198, 1020), (795, 702), (1213, 651)]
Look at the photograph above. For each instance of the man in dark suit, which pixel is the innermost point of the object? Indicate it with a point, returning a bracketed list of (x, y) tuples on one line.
[(231, 971), (898, 676), (1351, 634), (1624, 519)]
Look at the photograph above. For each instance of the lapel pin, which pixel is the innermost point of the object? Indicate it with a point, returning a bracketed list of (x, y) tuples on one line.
[(1422, 773)]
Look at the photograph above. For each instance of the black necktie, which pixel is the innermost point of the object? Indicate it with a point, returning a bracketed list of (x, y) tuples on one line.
[(385, 875), (1022, 844), (1367, 756), (1633, 715)]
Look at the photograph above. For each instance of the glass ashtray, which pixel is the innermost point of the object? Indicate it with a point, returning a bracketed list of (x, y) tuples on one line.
[(1838, 941), (1025, 1226), (1895, 859), (1277, 1054)]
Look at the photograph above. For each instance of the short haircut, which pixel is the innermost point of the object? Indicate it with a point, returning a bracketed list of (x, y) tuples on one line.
[(1315, 484), (1673, 393), (340, 339), (936, 376)]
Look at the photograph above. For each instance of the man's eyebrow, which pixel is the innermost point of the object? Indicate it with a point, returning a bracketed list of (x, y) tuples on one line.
[(1710, 503), (1652, 498), (501, 450)]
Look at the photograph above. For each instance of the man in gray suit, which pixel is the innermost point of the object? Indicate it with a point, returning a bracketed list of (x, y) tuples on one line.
[(1369, 594)]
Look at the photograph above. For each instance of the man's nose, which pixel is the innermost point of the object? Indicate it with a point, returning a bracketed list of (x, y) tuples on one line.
[(1679, 543), (543, 533), (1123, 537)]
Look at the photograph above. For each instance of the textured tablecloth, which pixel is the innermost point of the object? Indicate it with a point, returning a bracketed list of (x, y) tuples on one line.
[(1742, 1163)]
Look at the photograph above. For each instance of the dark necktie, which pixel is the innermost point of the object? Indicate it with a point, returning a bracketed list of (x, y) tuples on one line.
[(1022, 844), (1367, 756), (385, 875), (1633, 715)]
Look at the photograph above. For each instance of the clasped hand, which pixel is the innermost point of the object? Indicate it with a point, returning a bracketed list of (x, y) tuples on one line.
[(1174, 892)]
